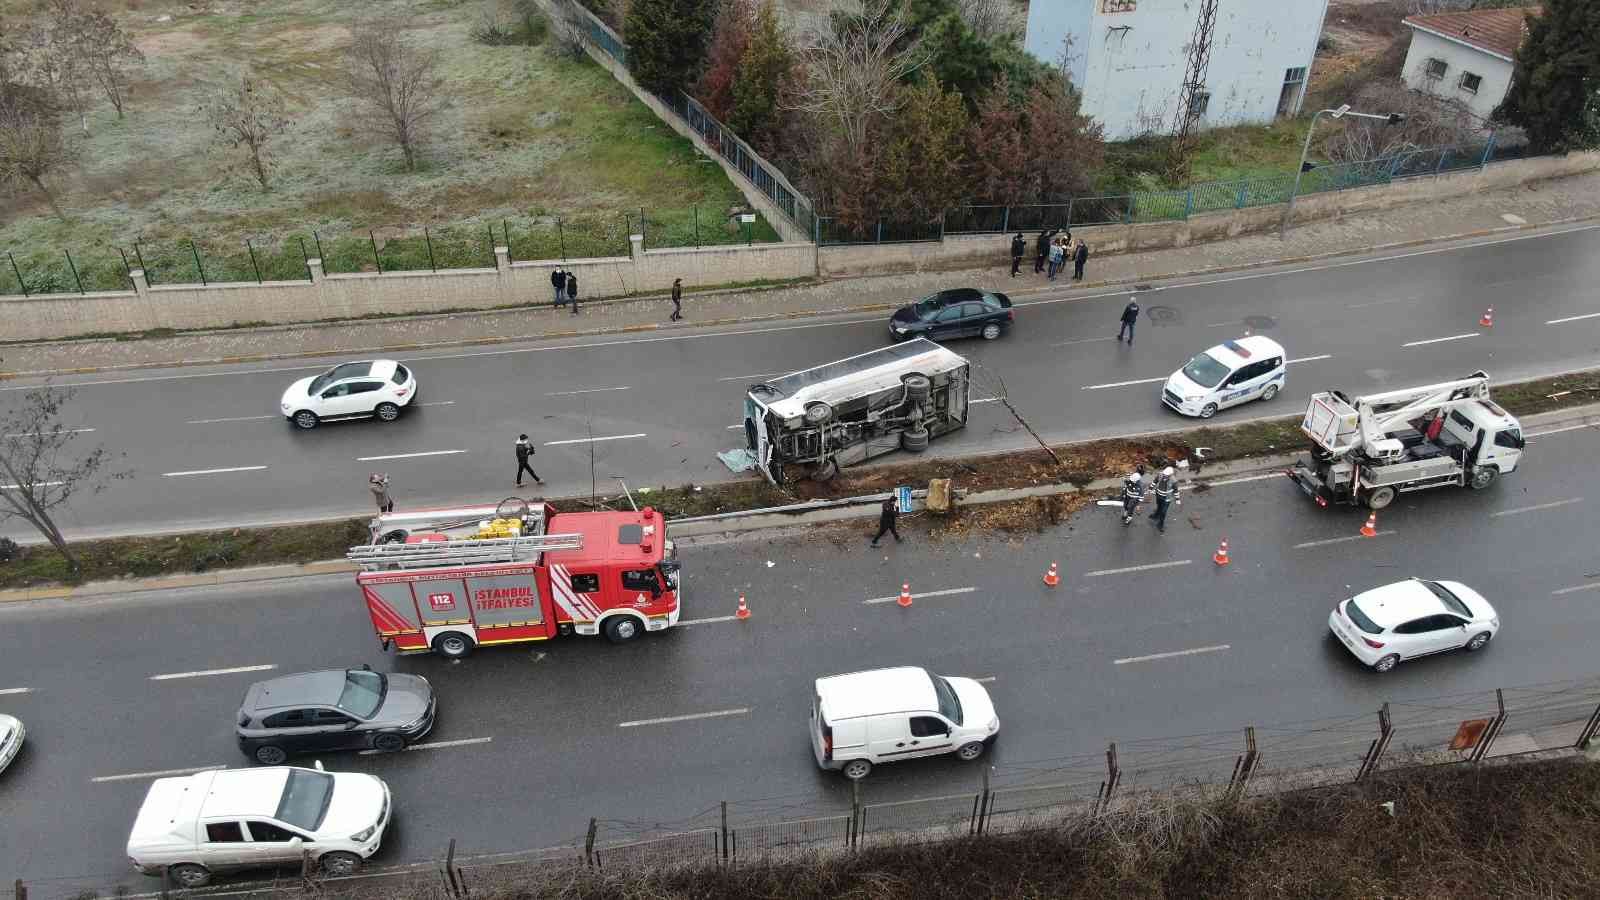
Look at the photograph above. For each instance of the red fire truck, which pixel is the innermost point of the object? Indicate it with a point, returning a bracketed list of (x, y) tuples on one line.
[(453, 579)]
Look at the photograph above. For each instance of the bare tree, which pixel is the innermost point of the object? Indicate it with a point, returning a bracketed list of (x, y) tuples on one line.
[(248, 114), (853, 67), (32, 148), (397, 85), (106, 52), (51, 59), (988, 19), (40, 470), (1429, 122)]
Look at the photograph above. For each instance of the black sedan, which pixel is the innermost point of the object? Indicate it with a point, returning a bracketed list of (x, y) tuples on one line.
[(333, 709), (962, 312)]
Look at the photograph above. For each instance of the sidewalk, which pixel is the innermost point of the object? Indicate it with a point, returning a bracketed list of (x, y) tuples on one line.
[(1545, 203)]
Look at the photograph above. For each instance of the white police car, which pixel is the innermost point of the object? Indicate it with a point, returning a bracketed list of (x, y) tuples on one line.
[(1250, 368)]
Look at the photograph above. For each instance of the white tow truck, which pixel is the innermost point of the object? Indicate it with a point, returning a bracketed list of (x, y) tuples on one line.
[(1369, 449)]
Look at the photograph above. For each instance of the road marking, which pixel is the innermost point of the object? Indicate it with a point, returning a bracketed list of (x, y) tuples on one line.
[(230, 419), (1574, 318), (587, 391), (1100, 387), (665, 720), (6, 692), (161, 773), (438, 403), (985, 400), (1083, 341), (1309, 359), (986, 679), (434, 745), (1581, 587), (1145, 568), (204, 672), (1453, 337), (1133, 659), (1223, 324), (18, 487), (735, 427), (1522, 509), (213, 471), (409, 455), (1339, 540), (1243, 480), (710, 620), (748, 377), (614, 437), (1383, 302), (45, 433), (944, 593), (1540, 434)]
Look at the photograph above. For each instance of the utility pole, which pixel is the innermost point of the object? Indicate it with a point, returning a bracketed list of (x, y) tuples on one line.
[(1190, 107)]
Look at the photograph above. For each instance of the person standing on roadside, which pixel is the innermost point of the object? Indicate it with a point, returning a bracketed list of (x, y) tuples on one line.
[(886, 521), (525, 450), (558, 280), (1041, 249), (1166, 488), (572, 291), (378, 483), (1018, 248), (1132, 494), (1130, 318), (1057, 258), (1078, 259), (677, 300)]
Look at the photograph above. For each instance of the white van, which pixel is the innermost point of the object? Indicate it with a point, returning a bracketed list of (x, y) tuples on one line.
[(886, 715), (1250, 368)]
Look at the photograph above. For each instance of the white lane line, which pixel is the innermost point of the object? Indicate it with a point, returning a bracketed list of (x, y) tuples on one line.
[(1383, 302), (434, 745), (213, 471), (6, 692), (986, 680), (160, 773), (1191, 652), (944, 593), (709, 620), (44, 433), (1339, 540), (1453, 337), (204, 672), (666, 720), (1243, 480), (735, 427), (1144, 568), (614, 437), (1309, 359), (1581, 587), (985, 400), (1574, 318), (1522, 509), (229, 419), (1223, 324), (1083, 341), (1540, 434), (588, 391), (1101, 387), (409, 455), (17, 487), (748, 377), (438, 403)]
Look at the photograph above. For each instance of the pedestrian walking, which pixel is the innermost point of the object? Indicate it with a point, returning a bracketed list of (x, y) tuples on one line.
[(1018, 248), (1130, 318), (1166, 488), (886, 521), (558, 281), (1078, 259), (1057, 258), (1041, 250), (677, 300), (378, 483), (572, 291), (1132, 494), (525, 450)]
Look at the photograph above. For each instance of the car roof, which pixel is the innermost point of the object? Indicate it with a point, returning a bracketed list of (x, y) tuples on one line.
[(876, 691), (245, 792), (1395, 604), (959, 295), (364, 368), (1251, 348), (320, 688)]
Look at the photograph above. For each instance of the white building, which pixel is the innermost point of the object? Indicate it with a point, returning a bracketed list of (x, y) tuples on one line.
[(1129, 57), (1466, 56)]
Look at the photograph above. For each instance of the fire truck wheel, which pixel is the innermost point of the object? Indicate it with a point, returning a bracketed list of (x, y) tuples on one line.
[(388, 743), (339, 863), (856, 769), (270, 755), (622, 629), (1380, 498), (452, 645), (915, 440), (388, 412), (190, 875), (305, 419), (397, 536)]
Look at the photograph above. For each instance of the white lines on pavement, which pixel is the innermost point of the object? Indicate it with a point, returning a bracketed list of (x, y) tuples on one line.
[(204, 672), (667, 720), (409, 455), (594, 440), (1453, 337), (435, 745), (1540, 434), (44, 433), (1144, 568), (213, 471), (735, 427), (1191, 652), (748, 377), (709, 620), (6, 692), (985, 400), (13, 487), (1574, 318), (438, 403), (229, 419), (1101, 387), (1581, 587), (588, 391), (1522, 509), (160, 773), (1309, 359), (986, 679), (1339, 540), (1244, 479), (1223, 324), (944, 593), (1083, 341)]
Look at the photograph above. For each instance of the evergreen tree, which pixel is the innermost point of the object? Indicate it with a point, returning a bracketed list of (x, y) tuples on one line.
[(728, 42), (1000, 158), (1557, 73), (763, 70), (667, 41), (925, 155)]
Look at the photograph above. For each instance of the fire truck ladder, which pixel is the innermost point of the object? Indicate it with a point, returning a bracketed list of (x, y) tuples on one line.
[(460, 553)]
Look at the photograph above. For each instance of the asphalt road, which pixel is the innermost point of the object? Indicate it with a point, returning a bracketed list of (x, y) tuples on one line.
[(207, 447), (1144, 639)]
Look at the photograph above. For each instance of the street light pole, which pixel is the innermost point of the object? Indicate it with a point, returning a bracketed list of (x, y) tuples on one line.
[(1305, 150)]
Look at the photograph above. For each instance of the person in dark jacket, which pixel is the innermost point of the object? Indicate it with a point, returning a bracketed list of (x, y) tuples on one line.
[(525, 450), (677, 300), (1132, 494), (572, 291), (558, 281), (1018, 248), (886, 521), (1166, 488), (1078, 259), (1041, 249), (1130, 318), (379, 485)]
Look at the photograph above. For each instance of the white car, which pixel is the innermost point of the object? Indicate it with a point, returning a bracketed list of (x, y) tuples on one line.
[(11, 736), (226, 819), (353, 390), (1413, 618), (1250, 368), (886, 715)]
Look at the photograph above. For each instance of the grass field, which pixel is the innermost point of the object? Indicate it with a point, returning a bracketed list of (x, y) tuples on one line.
[(530, 137)]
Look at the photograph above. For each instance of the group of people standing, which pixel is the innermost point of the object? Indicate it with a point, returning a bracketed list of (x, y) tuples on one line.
[(565, 285), (1166, 491), (1052, 251)]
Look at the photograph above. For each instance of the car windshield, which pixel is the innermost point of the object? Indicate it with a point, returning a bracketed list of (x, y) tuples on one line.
[(1205, 371), (927, 306), (1450, 601), (363, 692), (305, 800), (1360, 618), (949, 703)]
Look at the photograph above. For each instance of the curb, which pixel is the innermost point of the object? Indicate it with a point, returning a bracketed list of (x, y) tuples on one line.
[(733, 320)]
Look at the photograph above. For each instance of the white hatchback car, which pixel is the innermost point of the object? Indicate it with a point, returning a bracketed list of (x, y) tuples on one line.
[(353, 390), (1413, 618), (11, 736), (225, 819), (1250, 368), (886, 715)]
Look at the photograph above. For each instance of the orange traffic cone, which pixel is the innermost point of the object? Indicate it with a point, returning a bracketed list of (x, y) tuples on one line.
[(905, 595), (743, 612), (1487, 320), (1051, 578), (1221, 556), (1371, 528)]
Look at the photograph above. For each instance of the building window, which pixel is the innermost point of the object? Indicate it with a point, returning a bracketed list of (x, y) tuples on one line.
[(1118, 6), (1434, 68), (1470, 82), (1295, 75)]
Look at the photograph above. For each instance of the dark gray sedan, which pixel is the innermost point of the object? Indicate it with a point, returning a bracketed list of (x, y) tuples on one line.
[(334, 709), (960, 312)]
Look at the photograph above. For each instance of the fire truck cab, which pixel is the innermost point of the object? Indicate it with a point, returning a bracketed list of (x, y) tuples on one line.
[(450, 580)]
